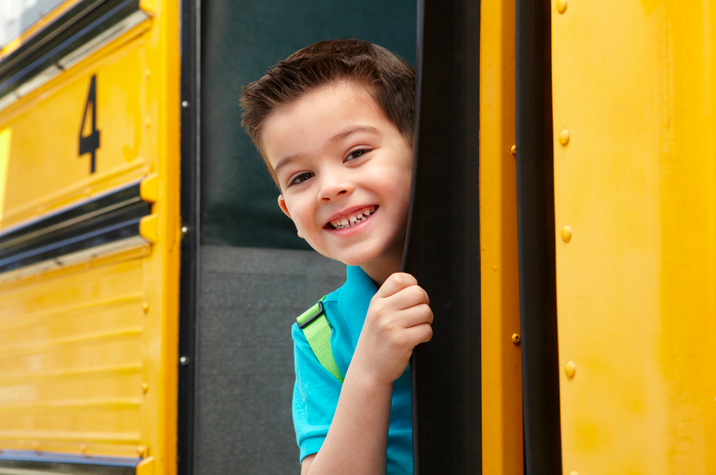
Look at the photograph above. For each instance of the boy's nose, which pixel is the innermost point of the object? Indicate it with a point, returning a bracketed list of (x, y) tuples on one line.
[(333, 190), (332, 195)]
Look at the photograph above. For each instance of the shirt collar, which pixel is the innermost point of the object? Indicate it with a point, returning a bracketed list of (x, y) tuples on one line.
[(358, 290)]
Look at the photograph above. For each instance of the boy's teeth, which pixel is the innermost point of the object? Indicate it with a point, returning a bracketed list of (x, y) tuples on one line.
[(352, 220)]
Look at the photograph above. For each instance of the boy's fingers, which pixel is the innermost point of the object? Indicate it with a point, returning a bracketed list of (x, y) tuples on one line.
[(410, 296), (416, 315), (420, 333), (395, 283)]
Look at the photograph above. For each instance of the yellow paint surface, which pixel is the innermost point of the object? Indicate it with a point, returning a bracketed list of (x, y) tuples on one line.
[(88, 351), (71, 356), (501, 368), (5, 140), (633, 82)]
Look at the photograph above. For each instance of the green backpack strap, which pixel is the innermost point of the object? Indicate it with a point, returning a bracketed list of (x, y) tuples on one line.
[(315, 327)]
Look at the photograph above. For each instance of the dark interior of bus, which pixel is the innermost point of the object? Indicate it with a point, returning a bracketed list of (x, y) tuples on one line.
[(256, 275)]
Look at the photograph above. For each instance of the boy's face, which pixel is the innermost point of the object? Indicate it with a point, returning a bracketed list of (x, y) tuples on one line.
[(345, 174)]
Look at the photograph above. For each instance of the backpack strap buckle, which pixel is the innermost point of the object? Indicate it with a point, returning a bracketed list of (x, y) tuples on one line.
[(319, 337), (310, 315)]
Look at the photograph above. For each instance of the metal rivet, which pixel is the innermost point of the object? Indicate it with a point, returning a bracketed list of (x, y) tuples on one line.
[(184, 230), (513, 150), (145, 387), (148, 122), (495, 268), (145, 307), (184, 103), (147, 72), (564, 137), (516, 338), (561, 6), (183, 361), (566, 234), (570, 370)]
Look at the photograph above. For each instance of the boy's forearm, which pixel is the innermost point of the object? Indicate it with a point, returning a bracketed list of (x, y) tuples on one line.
[(357, 440)]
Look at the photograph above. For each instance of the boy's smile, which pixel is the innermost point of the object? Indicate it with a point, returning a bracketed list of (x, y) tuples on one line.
[(351, 219), (345, 174)]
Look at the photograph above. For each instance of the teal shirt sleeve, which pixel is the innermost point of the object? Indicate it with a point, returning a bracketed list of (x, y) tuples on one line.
[(315, 397)]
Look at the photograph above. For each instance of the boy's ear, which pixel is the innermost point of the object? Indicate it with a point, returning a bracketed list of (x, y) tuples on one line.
[(282, 205)]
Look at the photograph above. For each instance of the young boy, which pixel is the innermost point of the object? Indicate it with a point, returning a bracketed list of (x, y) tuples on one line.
[(335, 125)]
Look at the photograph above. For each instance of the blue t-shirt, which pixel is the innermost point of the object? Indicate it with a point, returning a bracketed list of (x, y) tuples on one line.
[(316, 392)]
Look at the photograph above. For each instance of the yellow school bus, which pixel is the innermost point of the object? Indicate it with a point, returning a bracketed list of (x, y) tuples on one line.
[(89, 230), (148, 281)]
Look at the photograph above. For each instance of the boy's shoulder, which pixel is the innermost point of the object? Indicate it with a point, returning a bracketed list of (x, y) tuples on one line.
[(343, 308), (326, 305), (329, 300), (342, 305), (357, 286)]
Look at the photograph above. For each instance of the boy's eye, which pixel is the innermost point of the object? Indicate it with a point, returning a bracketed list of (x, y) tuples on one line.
[(300, 178), (356, 153)]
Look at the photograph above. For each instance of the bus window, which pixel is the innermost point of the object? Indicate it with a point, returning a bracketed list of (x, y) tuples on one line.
[(19, 15)]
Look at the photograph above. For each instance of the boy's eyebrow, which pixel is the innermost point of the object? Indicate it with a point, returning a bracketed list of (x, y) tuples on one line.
[(353, 130), (285, 161), (339, 136)]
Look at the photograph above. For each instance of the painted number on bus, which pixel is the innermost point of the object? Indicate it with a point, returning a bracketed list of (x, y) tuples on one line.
[(90, 143)]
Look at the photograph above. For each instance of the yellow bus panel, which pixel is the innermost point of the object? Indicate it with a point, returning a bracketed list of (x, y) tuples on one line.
[(89, 338), (57, 175), (502, 446), (635, 208), (71, 358)]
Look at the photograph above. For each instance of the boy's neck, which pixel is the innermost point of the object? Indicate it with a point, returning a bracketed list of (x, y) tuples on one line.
[(387, 264), (381, 270)]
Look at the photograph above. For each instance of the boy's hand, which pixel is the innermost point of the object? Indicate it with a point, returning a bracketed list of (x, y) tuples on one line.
[(398, 319)]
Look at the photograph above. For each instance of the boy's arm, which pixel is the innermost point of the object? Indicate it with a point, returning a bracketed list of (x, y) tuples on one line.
[(398, 319), (306, 464)]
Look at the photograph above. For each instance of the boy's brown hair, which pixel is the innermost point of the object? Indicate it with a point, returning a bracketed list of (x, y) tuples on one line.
[(389, 78)]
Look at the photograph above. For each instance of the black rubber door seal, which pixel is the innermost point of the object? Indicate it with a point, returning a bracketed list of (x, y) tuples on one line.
[(535, 238), (443, 247)]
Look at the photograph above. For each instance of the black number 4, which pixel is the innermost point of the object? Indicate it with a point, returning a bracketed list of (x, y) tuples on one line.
[(90, 143)]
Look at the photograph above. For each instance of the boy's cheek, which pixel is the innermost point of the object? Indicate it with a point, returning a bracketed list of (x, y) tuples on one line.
[(284, 208)]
